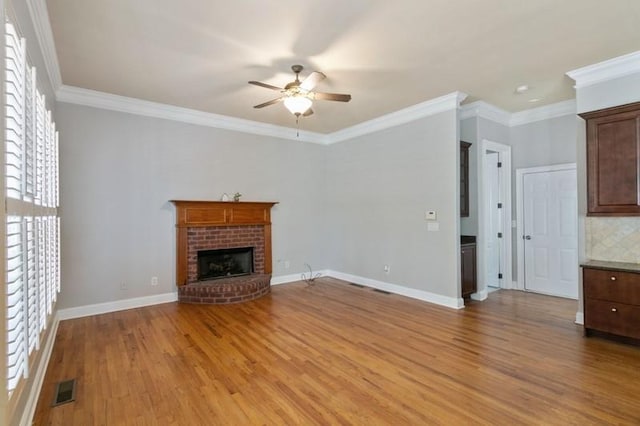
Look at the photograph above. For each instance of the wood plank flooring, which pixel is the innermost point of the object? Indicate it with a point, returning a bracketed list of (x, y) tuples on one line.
[(339, 354)]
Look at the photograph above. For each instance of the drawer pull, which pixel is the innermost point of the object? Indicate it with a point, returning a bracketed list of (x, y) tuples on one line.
[(614, 309), (613, 278)]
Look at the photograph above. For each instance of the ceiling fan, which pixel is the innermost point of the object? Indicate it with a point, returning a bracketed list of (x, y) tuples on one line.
[(298, 96)]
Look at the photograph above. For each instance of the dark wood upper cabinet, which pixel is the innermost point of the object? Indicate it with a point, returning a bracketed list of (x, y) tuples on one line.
[(464, 178), (613, 161)]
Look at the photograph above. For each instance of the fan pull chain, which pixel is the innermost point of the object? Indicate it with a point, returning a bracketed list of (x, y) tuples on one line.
[(297, 125)]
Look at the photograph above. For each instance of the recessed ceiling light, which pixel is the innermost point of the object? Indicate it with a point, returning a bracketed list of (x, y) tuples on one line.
[(534, 100), (522, 88)]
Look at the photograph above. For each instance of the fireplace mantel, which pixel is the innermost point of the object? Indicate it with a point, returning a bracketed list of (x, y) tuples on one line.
[(200, 214)]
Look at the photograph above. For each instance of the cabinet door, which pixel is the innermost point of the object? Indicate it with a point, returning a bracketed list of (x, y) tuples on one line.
[(613, 147), (468, 264)]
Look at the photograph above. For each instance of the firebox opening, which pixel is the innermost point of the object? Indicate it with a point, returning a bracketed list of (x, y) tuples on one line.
[(213, 264)]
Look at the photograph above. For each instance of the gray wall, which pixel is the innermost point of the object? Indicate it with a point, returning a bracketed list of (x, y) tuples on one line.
[(543, 143), (492, 131), (119, 171), (380, 186)]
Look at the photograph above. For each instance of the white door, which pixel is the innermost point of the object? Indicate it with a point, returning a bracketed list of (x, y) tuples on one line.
[(550, 232), (494, 220)]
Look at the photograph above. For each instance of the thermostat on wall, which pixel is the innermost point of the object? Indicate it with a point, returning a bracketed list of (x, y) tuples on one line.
[(431, 215)]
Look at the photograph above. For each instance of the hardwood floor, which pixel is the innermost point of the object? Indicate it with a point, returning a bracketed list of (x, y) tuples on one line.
[(339, 354)]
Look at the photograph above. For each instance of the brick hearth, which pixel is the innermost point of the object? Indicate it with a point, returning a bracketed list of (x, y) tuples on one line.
[(226, 290)]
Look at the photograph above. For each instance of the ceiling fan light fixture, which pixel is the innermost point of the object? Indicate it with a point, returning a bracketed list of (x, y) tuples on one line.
[(297, 104)]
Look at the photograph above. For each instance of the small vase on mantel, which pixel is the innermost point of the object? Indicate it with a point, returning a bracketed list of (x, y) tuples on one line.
[(236, 196), (224, 197)]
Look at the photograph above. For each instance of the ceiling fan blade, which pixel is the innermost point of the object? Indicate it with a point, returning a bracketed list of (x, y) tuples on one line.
[(265, 85), (311, 81), (271, 102), (332, 97), (307, 112)]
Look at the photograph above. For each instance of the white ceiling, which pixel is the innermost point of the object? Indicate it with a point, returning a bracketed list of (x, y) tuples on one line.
[(388, 55)]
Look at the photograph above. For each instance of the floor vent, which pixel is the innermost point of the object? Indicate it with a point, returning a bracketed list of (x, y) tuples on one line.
[(356, 285), (381, 291), (65, 392)]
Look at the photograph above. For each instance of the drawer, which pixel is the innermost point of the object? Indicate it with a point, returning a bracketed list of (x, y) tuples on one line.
[(611, 317), (614, 286)]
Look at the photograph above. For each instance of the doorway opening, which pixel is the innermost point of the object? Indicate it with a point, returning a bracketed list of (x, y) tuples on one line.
[(494, 219)]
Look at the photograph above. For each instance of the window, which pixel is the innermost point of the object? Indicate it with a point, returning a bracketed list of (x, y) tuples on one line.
[(31, 198)]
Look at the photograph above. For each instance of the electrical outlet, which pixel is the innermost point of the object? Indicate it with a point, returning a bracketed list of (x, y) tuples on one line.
[(123, 286), (154, 280), (387, 269)]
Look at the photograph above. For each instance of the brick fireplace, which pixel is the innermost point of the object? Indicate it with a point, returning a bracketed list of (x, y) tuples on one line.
[(213, 225)]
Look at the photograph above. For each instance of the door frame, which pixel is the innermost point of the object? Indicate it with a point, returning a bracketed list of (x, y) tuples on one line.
[(520, 173), (505, 196)]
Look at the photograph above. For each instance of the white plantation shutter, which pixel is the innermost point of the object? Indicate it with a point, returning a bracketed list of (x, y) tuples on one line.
[(16, 305), (14, 116), (32, 222), (30, 129), (32, 284), (42, 288), (39, 148)]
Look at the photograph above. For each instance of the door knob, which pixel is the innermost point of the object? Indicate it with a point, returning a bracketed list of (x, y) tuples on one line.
[(527, 237)]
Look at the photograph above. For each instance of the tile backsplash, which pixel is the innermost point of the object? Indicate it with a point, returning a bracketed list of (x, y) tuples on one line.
[(614, 239)]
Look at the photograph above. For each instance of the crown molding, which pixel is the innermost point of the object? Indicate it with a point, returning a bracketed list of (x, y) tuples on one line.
[(606, 70), (485, 110), (40, 18), (406, 115), (545, 112), (92, 98)]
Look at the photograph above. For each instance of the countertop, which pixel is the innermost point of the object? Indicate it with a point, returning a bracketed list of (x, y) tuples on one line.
[(467, 239), (612, 266)]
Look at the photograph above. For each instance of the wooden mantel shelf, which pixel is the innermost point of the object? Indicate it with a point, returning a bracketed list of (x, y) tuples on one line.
[(192, 214), (222, 213)]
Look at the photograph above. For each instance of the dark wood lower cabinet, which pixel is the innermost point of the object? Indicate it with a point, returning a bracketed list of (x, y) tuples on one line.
[(468, 265), (611, 301)]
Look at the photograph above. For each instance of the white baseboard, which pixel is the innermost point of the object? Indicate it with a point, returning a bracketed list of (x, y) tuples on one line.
[(40, 371), (580, 318), (118, 305), (449, 302), (284, 279), (139, 302), (480, 295)]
